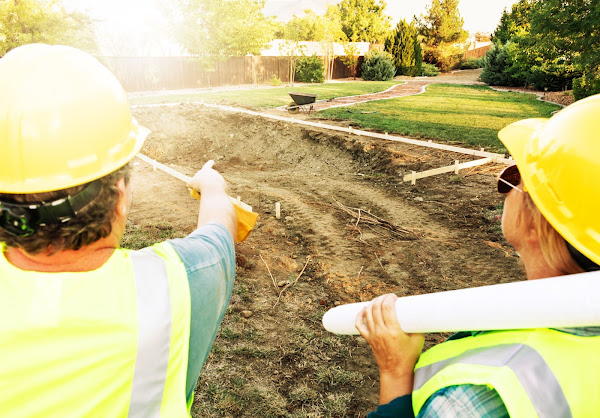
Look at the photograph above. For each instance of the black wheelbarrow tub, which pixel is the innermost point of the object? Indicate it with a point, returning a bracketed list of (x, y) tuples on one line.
[(303, 98)]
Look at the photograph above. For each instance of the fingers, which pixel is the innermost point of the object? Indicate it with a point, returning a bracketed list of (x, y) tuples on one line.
[(377, 316), (360, 324), (388, 311)]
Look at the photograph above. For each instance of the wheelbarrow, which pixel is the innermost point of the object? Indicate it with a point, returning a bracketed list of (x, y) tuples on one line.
[(303, 101)]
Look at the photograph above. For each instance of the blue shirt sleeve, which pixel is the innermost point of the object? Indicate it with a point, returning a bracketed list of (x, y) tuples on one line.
[(464, 401), (208, 255)]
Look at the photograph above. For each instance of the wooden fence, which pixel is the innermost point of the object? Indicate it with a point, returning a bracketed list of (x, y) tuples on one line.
[(476, 53), (172, 73)]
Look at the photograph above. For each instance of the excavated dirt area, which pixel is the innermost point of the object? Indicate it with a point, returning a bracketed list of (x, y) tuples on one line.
[(347, 218)]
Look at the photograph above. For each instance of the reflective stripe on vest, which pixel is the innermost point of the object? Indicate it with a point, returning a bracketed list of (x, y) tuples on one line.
[(154, 333), (527, 364)]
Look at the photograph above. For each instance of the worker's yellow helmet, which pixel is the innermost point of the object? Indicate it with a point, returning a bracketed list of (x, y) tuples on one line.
[(559, 161), (64, 120)]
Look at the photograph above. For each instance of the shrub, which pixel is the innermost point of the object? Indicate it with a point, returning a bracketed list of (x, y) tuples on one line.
[(499, 68), (275, 80), (553, 75), (378, 66), (586, 85), (470, 64), (429, 70), (310, 70)]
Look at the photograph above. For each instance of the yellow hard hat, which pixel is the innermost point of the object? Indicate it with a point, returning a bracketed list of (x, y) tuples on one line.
[(559, 161), (64, 120)]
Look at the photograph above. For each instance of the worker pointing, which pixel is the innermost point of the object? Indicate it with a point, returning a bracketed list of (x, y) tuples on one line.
[(551, 218), (88, 329)]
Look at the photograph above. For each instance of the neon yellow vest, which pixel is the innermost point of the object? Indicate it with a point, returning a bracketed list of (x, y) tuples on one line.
[(541, 372), (112, 342)]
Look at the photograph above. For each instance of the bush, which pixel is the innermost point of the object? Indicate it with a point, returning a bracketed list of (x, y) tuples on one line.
[(499, 68), (310, 70), (429, 70), (470, 64), (378, 66), (553, 75), (587, 85), (275, 80)]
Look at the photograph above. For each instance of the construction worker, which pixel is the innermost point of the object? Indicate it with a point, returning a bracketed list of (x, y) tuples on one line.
[(88, 329), (551, 218)]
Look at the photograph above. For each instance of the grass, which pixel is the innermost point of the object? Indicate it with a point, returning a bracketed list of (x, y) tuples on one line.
[(470, 115), (270, 97), (137, 236)]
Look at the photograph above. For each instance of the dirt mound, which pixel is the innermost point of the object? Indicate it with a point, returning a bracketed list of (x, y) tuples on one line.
[(343, 203)]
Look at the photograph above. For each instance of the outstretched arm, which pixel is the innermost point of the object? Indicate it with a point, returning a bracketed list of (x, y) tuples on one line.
[(395, 351), (215, 205)]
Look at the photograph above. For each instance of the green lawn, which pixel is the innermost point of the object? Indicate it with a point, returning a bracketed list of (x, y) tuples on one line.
[(470, 115), (271, 97)]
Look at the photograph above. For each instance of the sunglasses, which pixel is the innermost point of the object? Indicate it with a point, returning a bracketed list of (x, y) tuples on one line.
[(509, 179)]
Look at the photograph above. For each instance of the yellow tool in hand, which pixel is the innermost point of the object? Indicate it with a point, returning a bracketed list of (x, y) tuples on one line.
[(246, 219)]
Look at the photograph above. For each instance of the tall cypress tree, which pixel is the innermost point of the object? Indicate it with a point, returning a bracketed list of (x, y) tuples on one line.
[(405, 48)]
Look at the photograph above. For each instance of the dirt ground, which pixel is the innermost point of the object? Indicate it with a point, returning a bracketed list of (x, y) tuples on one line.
[(347, 219)]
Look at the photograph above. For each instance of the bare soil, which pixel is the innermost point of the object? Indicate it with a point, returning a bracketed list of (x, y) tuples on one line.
[(274, 358)]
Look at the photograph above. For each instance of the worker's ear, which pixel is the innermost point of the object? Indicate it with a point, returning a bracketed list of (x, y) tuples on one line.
[(122, 205)]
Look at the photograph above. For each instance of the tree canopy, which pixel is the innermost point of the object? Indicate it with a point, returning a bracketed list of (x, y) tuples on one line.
[(551, 44), (442, 32), (219, 29), (46, 21), (314, 27), (364, 20)]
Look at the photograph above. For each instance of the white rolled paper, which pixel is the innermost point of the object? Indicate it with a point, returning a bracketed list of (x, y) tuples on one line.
[(564, 301)]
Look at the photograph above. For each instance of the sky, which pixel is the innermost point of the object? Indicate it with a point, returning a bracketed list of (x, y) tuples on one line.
[(136, 19), (479, 15)]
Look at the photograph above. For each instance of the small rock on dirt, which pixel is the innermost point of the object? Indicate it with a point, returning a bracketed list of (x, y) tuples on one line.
[(246, 314), (337, 303), (289, 218), (419, 199), (235, 299), (282, 283)]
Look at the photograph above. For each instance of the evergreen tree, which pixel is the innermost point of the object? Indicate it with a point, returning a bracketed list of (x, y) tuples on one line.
[(443, 34), (405, 48)]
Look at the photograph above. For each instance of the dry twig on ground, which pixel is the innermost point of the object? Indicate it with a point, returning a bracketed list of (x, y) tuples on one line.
[(269, 270), (293, 282), (368, 218)]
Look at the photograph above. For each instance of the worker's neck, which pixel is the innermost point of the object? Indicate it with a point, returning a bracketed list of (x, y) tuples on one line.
[(90, 257), (536, 266)]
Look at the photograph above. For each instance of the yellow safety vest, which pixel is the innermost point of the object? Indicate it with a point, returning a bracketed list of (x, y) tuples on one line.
[(542, 372), (112, 342)]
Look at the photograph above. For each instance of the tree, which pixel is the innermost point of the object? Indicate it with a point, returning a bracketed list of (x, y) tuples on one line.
[(350, 60), (46, 21), (442, 32), (404, 47), (517, 22), (363, 20), (326, 29), (570, 29), (546, 44), (220, 29)]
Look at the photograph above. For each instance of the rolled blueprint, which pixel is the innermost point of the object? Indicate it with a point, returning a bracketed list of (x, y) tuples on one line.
[(565, 301)]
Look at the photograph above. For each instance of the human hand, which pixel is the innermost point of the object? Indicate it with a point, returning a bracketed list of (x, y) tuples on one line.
[(395, 351), (207, 180)]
